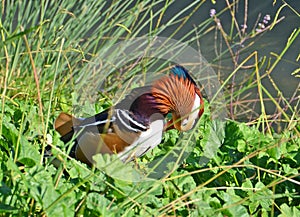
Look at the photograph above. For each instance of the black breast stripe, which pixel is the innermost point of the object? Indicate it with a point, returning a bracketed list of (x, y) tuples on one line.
[(126, 121)]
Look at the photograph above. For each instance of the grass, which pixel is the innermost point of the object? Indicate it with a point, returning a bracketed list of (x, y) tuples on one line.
[(50, 51)]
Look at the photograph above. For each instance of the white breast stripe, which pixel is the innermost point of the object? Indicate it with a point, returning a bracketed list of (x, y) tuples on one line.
[(134, 121), (137, 123), (122, 121), (126, 115)]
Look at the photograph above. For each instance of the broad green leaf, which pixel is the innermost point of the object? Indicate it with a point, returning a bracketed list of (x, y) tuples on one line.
[(289, 211)]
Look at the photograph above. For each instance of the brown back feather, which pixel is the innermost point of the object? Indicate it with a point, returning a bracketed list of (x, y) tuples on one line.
[(64, 123)]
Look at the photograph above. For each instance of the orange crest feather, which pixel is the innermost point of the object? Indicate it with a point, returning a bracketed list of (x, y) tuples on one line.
[(174, 94)]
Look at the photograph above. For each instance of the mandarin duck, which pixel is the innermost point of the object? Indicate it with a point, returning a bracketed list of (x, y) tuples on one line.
[(136, 124)]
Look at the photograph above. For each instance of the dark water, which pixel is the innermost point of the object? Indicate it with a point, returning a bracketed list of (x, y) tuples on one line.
[(271, 41)]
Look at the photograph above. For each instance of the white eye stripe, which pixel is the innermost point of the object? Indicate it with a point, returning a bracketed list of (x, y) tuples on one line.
[(189, 122), (196, 107)]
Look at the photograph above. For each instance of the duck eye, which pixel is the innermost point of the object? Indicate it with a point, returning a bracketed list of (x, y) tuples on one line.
[(184, 122)]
